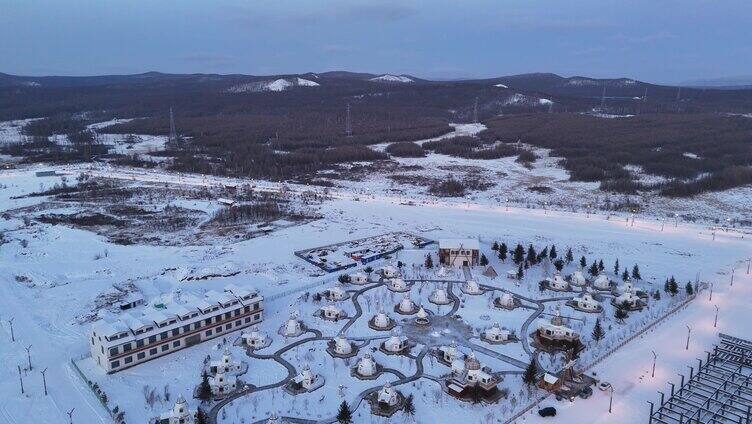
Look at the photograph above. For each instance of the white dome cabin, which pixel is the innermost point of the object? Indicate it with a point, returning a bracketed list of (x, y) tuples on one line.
[(602, 282), (626, 287), (381, 321), (390, 271), (305, 381), (496, 335), (628, 299), (340, 347), (439, 297), (506, 301), (586, 303), (255, 339), (395, 344), (331, 313), (578, 279), (448, 354), (421, 318), (292, 327), (222, 384), (558, 283), (336, 293), (397, 285), (554, 335), (179, 414), (366, 367), (471, 287), (359, 278), (472, 380), (386, 402), (406, 306), (226, 364)]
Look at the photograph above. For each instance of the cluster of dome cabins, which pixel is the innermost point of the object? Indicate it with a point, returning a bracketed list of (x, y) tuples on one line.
[(467, 378)]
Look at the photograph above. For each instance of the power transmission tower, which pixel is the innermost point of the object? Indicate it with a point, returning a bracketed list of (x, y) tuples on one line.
[(173, 138), (348, 122)]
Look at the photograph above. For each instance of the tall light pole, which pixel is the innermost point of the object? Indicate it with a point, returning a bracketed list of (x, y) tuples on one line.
[(713, 231), (12, 336), (711, 292), (733, 270), (28, 355), (611, 399), (20, 379), (44, 381), (715, 322), (655, 358), (689, 332), (749, 262)]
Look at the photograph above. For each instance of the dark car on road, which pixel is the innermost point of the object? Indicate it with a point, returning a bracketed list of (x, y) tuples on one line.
[(547, 412)]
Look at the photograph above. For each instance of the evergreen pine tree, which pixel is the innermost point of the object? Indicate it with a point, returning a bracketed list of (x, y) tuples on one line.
[(601, 267), (593, 269), (673, 287), (620, 314), (495, 246), (569, 257), (344, 416), (544, 253), (559, 264), (598, 333), (429, 261), (201, 416), (657, 295), (529, 377), (204, 390), (689, 289), (503, 250), (483, 259), (666, 286), (636, 273), (552, 254), (616, 267), (409, 406), (531, 255), (625, 276), (583, 262), (519, 254), (520, 272)]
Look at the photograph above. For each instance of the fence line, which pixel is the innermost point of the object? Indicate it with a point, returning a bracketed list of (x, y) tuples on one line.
[(89, 385), (613, 350)]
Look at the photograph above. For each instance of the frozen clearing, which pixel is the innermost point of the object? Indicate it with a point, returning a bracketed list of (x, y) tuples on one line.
[(50, 282)]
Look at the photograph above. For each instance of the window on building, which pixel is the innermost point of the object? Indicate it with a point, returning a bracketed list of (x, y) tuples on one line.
[(257, 317), (238, 322), (126, 347), (228, 326), (139, 343), (114, 364), (165, 347), (208, 333), (153, 351), (175, 331), (247, 319), (186, 328), (163, 335), (113, 351), (128, 359), (176, 343), (141, 355), (152, 339)]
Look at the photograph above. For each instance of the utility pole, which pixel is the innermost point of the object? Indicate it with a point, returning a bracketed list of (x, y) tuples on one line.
[(44, 381), (611, 400), (655, 358), (711, 292), (20, 379), (689, 332), (28, 355), (715, 322), (12, 336), (733, 270)]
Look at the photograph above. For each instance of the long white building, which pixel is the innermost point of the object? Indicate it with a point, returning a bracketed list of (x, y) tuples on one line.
[(132, 339)]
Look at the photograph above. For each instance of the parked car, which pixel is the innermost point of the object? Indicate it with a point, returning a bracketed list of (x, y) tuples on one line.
[(604, 385), (547, 412)]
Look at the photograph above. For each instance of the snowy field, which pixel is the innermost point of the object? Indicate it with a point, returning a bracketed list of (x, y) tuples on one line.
[(55, 279)]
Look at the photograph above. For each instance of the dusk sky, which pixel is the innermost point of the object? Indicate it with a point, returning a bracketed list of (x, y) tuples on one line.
[(654, 40)]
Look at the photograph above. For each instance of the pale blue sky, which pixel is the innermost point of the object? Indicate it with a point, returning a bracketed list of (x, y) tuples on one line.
[(653, 40)]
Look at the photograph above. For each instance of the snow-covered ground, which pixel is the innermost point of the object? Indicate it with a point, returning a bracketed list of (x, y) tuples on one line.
[(52, 278)]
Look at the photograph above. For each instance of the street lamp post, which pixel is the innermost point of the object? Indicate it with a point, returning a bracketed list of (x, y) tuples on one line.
[(655, 358), (611, 399), (733, 270), (44, 381), (711, 292), (12, 336), (715, 322), (689, 332)]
